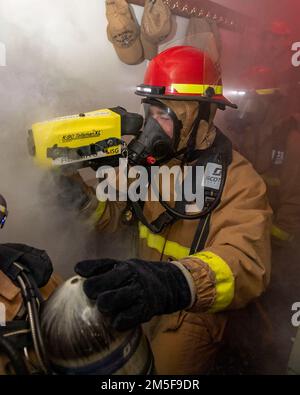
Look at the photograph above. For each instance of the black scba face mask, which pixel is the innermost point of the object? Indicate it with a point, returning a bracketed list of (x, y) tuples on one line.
[(153, 144)]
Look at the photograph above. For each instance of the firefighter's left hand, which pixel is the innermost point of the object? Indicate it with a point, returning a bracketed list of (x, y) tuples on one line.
[(134, 291), (36, 262), (72, 192)]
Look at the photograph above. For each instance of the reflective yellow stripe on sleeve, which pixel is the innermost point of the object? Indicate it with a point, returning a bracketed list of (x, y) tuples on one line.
[(271, 181), (97, 214), (224, 279), (281, 234), (223, 274)]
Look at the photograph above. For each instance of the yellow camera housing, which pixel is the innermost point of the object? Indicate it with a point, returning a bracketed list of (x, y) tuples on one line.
[(77, 138)]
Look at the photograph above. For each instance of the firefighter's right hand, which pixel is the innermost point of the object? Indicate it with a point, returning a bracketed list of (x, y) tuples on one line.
[(134, 291)]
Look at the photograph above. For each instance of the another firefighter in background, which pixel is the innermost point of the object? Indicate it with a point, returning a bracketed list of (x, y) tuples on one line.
[(36, 262), (189, 272), (268, 135), (266, 131)]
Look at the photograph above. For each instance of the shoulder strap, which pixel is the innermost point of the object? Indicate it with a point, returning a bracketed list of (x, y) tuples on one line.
[(201, 235), (221, 153)]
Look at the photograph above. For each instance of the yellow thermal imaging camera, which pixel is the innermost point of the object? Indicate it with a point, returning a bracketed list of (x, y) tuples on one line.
[(82, 139)]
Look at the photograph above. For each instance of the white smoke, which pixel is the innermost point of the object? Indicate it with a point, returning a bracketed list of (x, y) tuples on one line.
[(58, 62)]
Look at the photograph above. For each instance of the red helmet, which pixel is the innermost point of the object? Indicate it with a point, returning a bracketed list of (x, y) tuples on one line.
[(279, 28), (260, 79), (184, 73)]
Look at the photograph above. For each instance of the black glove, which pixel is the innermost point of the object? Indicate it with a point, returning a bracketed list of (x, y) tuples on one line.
[(71, 191), (36, 262), (134, 291)]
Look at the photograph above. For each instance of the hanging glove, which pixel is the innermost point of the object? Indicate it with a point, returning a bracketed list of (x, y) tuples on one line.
[(134, 291), (36, 262)]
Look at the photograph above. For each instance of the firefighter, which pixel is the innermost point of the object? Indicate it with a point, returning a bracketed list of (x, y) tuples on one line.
[(266, 131), (36, 262), (268, 135), (190, 269)]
